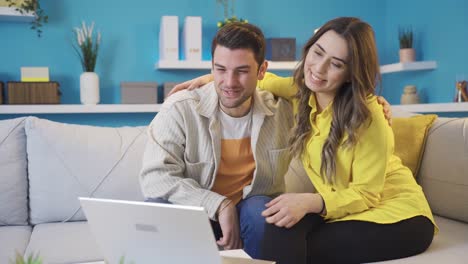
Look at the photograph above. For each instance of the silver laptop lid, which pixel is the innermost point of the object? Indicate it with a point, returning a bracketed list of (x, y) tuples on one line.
[(150, 232)]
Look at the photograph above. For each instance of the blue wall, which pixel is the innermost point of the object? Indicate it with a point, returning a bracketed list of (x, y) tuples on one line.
[(441, 34), (129, 47)]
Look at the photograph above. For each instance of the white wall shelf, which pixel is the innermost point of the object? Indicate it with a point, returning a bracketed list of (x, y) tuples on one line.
[(433, 108), (282, 65), (79, 109), (183, 65), (408, 66), (10, 14), (206, 65)]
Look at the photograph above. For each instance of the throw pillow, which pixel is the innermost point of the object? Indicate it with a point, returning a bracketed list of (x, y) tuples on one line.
[(13, 173), (67, 161), (410, 138)]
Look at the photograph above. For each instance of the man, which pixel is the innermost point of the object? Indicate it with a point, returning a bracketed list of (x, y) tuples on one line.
[(224, 146)]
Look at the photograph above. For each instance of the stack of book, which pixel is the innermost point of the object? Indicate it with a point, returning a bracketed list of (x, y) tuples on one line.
[(191, 42)]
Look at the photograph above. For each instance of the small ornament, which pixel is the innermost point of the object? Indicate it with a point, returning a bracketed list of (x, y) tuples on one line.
[(410, 95)]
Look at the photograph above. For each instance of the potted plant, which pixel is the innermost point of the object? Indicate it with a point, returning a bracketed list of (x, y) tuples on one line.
[(229, 14), (407, 52), (31, 6), (32, 259), (87, 50)]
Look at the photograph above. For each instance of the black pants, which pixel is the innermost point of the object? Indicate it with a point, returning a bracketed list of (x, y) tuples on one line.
[(313, 241)]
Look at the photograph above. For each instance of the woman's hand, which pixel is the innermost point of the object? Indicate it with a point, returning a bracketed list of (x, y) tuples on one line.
[(288, 209), (192, 84), (386, 108)]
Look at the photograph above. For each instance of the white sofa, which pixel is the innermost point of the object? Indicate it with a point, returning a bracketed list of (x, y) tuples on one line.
[(45, 166)]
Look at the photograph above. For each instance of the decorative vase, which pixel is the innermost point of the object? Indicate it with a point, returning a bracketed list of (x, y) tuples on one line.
[(89, 88), (407, 55), (410, 95)]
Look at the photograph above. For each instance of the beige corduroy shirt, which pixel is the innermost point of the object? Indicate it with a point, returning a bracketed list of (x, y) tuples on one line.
[(183, 152)]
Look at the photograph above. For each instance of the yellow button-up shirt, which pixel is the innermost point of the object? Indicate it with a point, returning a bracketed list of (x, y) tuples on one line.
[(371, 183)]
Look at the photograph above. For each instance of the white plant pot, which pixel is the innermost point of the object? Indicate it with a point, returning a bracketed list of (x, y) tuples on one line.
[(89, 88), (407, 55)]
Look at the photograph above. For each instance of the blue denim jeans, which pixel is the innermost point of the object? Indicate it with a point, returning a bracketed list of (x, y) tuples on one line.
[(252, 223)]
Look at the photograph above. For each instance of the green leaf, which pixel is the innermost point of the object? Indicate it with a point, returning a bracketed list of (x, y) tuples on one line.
[(31, 259), (405, 36), (31, 6)]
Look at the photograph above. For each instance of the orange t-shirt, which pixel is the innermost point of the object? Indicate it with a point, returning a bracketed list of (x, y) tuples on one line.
[(237, 162)]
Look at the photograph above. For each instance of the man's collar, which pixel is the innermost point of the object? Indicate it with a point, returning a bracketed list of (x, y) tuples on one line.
[(208, 100)]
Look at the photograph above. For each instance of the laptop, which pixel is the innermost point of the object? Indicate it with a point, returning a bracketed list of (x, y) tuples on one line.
[(144, 233)]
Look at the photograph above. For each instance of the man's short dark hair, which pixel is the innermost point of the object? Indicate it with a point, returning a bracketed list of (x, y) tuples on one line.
[(238, 35)]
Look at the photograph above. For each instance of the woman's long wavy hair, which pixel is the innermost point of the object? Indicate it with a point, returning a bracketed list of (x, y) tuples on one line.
[(349, 105)]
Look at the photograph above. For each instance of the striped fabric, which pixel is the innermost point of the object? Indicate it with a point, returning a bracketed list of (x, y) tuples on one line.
[(183, 152)]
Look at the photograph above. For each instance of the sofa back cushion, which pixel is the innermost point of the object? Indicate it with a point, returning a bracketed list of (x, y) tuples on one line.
[(296, 178), (410, 138), (68, 161), (444, 168), (13, 173)]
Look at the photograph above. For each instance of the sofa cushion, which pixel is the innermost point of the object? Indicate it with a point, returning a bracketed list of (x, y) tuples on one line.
[(13, 176), (410, 138), (70, 242), (13, 239), (449, 245), (68, 161), (296, 178), (444, 168)]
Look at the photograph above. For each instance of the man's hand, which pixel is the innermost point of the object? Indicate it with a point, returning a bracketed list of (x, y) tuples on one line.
[(229, 222), (192, 84), (386, 109), (288, 209)]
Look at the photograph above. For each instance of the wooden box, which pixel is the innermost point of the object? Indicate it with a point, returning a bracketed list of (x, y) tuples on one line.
[(1, 92), (167, 87), (33, 93), (139, 92), (281, 49)]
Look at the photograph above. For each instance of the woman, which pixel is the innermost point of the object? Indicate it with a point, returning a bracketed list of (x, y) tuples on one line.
[(370, 206), (367, 207)]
